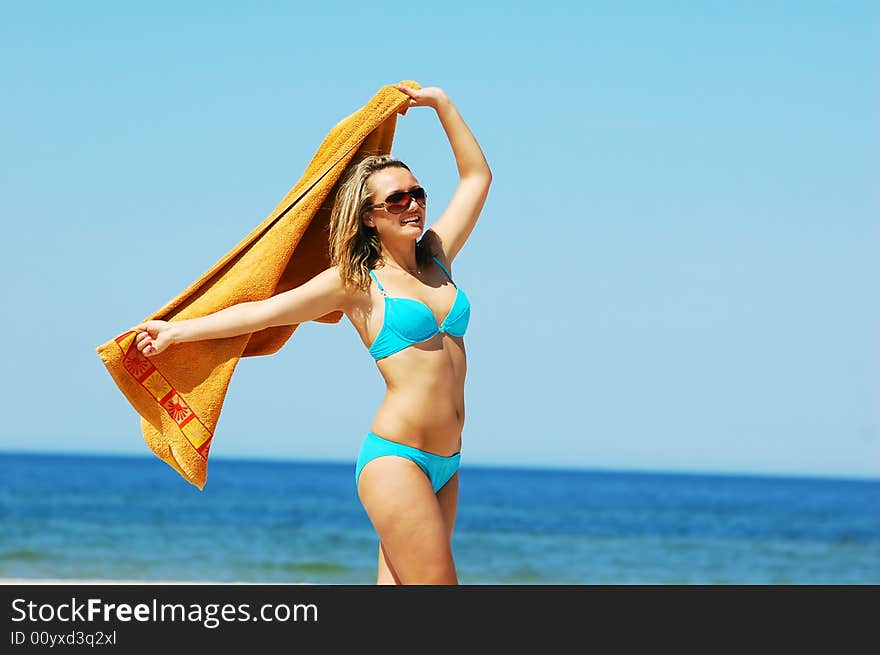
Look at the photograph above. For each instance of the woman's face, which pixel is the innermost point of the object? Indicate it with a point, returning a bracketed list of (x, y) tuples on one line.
[(382, 184)]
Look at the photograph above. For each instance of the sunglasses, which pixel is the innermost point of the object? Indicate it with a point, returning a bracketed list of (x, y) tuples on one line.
[(399, 201)]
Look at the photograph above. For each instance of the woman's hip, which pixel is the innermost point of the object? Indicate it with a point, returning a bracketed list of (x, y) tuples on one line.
[(438, 468)]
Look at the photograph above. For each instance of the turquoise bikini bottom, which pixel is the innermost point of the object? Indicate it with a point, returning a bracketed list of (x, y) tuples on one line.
[(438, 468)]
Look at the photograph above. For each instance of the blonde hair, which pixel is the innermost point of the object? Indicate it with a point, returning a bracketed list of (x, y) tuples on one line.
[(354, 247)]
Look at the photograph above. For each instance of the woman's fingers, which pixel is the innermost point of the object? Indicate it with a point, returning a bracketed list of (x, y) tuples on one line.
[(148, 339), (145, 343), (427, 96), (412, 93), (150, 348)]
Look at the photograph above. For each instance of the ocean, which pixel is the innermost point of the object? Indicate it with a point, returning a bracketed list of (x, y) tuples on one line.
[(134, 518)]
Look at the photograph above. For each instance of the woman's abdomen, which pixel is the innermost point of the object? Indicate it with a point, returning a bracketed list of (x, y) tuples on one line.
[(423, 406)]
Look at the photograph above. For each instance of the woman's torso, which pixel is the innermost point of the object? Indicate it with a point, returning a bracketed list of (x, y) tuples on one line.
[(423, 405)]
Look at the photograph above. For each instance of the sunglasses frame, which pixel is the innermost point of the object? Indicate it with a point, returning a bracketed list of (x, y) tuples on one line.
[(420, 203)]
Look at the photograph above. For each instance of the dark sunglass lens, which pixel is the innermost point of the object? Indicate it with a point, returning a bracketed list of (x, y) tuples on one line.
[(397, 202), (397, 207)]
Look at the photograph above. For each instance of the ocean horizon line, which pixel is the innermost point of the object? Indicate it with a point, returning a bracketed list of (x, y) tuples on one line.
[(285, 459)]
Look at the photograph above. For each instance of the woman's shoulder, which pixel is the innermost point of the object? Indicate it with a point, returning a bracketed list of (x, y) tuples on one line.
[(330, 276), (349, 290), (329, 282)]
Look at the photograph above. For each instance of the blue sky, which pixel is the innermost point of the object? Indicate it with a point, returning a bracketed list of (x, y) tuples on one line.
[(676, 268)]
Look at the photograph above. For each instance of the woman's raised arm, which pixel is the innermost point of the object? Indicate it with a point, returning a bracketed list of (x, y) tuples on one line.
[(321, 295), (458, 221)]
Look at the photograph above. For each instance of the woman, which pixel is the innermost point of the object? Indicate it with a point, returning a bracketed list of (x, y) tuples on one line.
[(397, 290)]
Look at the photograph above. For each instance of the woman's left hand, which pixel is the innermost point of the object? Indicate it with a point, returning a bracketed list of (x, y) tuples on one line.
[(431, 96)]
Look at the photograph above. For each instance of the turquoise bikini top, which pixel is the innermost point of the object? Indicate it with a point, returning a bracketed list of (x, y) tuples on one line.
[(409, 321)]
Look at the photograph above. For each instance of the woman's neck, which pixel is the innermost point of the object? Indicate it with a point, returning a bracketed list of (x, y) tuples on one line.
[(403, 257)]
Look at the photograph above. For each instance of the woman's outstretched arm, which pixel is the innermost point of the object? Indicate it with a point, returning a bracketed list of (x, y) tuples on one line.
[(456, 223), (321, 295)]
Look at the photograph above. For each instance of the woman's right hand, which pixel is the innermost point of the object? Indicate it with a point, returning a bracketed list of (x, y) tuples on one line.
[(153, 337), (429, 96)]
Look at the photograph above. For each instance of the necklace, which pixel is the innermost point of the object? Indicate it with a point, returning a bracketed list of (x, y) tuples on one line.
[(401, 268)]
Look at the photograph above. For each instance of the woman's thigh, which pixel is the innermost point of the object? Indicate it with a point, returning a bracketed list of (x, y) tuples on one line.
[(409, 519), (448, 499)]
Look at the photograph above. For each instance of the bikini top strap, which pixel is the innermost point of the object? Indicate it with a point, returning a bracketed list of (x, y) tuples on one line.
[(444, 270), (381, 288)]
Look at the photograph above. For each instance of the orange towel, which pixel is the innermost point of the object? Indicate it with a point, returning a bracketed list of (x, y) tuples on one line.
[(179, 393)]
